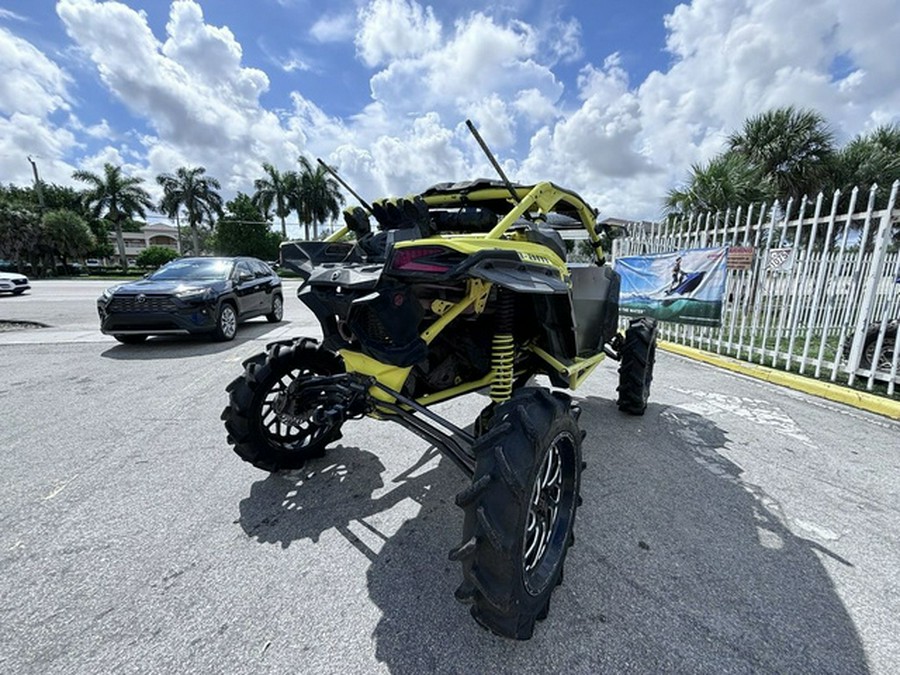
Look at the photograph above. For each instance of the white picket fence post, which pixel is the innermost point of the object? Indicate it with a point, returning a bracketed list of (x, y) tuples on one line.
[(811, 277), (882, 239)]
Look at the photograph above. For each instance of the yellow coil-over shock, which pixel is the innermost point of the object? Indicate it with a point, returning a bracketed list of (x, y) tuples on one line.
[(503, 349)]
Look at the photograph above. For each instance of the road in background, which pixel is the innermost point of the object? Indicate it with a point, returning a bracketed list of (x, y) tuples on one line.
[(69, 310), (735, 527)]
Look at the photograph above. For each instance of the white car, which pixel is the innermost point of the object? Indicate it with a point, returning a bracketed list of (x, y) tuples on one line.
[(10, 282)]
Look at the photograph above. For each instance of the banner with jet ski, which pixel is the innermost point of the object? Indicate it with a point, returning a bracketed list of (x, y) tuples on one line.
[(682, 287)]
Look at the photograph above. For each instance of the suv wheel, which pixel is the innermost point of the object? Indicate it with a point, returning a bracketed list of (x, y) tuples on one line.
[(226, 323), (277, 310)]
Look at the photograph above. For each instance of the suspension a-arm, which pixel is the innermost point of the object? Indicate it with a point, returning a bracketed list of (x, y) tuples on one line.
[(456, 445)]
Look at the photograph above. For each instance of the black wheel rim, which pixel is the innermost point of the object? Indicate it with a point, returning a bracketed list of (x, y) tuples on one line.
[(290, 432), (548, 521), (885, 359)]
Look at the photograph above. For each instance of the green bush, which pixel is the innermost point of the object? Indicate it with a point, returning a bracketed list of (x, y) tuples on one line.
[(244, 231), (154, 256)]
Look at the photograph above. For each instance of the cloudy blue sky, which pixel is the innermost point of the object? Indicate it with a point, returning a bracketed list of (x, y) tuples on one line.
[(614, 98)]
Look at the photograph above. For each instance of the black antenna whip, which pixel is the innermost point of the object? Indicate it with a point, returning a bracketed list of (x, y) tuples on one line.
[(349, 189), (490, 156)]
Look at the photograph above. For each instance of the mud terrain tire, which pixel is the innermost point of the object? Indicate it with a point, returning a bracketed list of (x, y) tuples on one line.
[(636, 366), (259, 434), (520, 511), (887, 349)]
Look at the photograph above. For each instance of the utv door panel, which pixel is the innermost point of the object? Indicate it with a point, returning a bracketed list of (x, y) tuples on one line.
[(595, 301)]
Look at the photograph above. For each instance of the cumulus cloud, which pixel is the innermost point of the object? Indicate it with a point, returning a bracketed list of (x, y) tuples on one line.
[(620, 143), (295, 62), (192, 87), (34, 90), (493, 117), (534, 107), (735, 59), (426, 154), (31, 84), (393, 29), (564, 41), (334, 28), (483, 69)]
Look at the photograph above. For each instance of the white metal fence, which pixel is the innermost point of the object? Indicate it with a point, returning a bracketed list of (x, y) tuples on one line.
[(820, 294)]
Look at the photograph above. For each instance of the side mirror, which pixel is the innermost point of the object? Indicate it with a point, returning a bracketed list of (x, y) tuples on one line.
[(245, 276)]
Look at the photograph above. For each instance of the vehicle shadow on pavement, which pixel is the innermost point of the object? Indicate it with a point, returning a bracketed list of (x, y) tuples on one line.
[(179, 346), (328, 493), (679, 565)]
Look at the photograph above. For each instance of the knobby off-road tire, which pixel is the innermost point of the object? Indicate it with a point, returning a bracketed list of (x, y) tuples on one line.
[(885, 359), (259, 434), (636, 366), (520, 511)]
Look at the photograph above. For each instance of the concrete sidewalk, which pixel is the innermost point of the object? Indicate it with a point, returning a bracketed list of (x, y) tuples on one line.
[(833, 392)]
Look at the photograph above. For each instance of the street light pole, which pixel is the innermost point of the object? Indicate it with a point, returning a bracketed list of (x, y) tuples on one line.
[(37, 183), (178, 231)]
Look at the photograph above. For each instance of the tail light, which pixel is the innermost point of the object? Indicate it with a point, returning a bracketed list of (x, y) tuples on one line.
[(427, 259)]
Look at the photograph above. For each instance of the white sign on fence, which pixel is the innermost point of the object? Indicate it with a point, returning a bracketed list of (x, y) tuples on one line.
[(780, 260)]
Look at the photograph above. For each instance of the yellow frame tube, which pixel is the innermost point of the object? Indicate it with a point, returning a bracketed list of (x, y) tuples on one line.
[(575, 373), (337, 235), (544, 194), (447, 394), (395, 376)]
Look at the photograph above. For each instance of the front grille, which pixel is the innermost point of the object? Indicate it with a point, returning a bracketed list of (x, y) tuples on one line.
[(142, 303), (20, 282)]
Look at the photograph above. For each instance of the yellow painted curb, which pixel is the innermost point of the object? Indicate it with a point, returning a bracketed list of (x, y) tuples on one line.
[(827, 390)]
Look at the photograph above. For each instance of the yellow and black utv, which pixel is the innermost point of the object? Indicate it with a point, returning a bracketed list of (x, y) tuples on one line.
[(461, 288)]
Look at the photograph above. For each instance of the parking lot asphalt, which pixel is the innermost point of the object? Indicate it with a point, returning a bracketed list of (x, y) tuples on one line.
[(735, 527), (855, 398)]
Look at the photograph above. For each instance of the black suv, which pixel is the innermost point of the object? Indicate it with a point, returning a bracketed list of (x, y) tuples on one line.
[(192, 295)]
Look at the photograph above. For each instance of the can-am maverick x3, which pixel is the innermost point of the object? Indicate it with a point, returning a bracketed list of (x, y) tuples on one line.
[(463, 287)]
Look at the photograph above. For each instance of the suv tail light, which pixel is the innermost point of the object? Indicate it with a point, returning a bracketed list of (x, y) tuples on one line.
[(428, 259)]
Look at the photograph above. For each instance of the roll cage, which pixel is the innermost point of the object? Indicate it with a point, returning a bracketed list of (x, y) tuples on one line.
[(535, 203)]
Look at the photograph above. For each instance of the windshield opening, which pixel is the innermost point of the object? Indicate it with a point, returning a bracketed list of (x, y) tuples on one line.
[(194, 270)]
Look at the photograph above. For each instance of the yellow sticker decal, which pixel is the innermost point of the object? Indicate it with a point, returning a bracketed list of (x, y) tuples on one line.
[(539, 259)]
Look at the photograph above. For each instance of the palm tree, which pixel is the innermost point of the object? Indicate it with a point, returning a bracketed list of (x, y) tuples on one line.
[(275, 189), (317, 197), (196, 192), (117, 196), (728, 180), (792, 148), (869, 158)]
